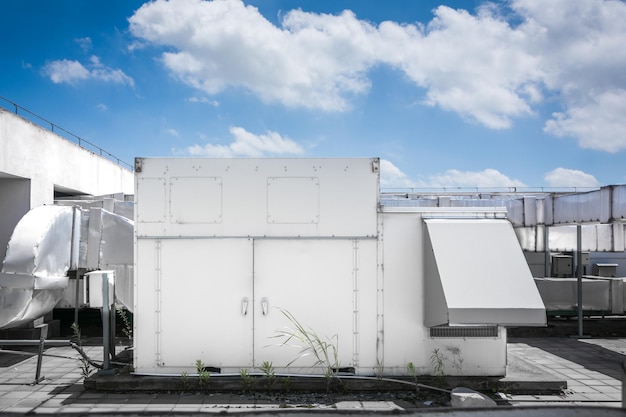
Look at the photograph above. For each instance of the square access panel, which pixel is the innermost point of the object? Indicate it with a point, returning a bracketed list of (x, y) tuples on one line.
[(293, 200), (195, 200), (153, 190)]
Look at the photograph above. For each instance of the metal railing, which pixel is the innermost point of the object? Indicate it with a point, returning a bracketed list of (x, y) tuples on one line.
[(46, 124), (483, 190), (42, 342)]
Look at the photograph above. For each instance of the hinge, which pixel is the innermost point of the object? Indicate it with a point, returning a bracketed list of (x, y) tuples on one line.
[(375, 165)]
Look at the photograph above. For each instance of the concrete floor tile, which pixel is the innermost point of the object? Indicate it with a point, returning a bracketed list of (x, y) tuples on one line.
[(349, 405), (15, 394), (380, 405), (92, 395), (139, 399), (18, 410), (28, 403), (8, 402), (40, 410), (133, 408), (610, 390), (77, 408), (187, 408), (160, 408)]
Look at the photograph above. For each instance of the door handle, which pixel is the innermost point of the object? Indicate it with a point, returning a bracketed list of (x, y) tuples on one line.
[(244, 306), (264, 304)]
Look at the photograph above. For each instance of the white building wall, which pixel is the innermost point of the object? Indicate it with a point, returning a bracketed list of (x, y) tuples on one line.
[(14, 203)]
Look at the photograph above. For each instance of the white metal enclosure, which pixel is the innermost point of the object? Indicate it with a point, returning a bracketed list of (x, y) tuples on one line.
[(224, 247)]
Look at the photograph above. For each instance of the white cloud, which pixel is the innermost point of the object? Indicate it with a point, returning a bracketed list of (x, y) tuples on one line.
[(312, 61), (487, 178), (250, 145), (173, 132), (71, 72), (490, 67), (599, 123), (194, 99), (564, 177), (477, 66), (84, 43), (65, 71), (392, 177), (102, 107), (581, 44)]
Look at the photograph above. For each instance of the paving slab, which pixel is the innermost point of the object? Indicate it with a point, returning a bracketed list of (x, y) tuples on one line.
[(541, 371)]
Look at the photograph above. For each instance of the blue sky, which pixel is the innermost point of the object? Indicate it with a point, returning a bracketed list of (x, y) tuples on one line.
[(520, 93)]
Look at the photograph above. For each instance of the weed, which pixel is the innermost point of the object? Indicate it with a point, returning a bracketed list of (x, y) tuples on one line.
[(246, 378), (270, 375), (413, 373), (286, 383), (325, 352), (184, 376), (85, 365), (203, 374), (127, 326), (437, 361)]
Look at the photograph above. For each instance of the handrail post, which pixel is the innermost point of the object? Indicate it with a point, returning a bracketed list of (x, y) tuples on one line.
[(579, 278), (38, 378), (624, 384), (106, 320)]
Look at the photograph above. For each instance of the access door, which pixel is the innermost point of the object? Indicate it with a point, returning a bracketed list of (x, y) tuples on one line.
[(315, 281), (204, 308)]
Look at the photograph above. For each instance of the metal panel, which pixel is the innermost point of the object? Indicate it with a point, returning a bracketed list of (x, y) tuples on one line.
[(38, 257), (515, 211), (605, 239), (464, 332), (563, 238), (309, 198), (479, 276), (293, 200), (191, 299), (561, 293), (152, 207), (314, 280), (585, 207), (530, 211), (195, 200), (204, 285), (619, 240), (619, 202)]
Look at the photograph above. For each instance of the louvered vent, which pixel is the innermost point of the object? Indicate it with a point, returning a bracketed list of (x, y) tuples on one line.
[(471, 332)]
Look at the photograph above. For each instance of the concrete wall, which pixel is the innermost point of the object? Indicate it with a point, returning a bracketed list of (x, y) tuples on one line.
[(14, 203), (35, 162)]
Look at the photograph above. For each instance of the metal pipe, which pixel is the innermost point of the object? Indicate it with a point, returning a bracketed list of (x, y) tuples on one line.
[(76, 295), (546, 248), (39, 360), (624, 384), (72, 260), (579, 276), (106, 321)]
